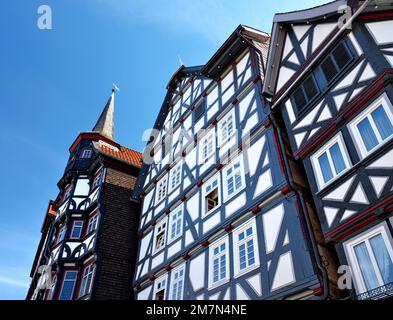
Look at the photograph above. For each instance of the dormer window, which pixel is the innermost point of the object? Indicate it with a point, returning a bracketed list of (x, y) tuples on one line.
[(86, 153)]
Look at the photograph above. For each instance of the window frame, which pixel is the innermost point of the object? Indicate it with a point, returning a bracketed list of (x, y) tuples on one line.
[(227, 196), (386, 104), (204, 194), (338, 138), (349, 245), (156, 282), (210, 135), (86, 150), (178, 209), (94, 216), (157, 198), (63, 281), (73, 227), (218, 243), (230, 113), (307, 100), (156, 227), (178, 166), (62, 229), (236, 260), (87, 290), (174, 271)]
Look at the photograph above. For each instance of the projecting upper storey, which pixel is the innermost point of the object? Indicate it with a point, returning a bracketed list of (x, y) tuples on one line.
[(319, 65), (198, 97)]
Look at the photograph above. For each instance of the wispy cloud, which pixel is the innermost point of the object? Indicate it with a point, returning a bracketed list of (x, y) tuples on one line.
[(14, 282), (211, 19)]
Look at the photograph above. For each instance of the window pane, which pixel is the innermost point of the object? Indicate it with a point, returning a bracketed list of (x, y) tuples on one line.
[(383, 258), (382, 122), (299, 98), (367, 134), (338, 159), (325, 167), (341, 56), (328, 69), (309, 88), (366, 267)]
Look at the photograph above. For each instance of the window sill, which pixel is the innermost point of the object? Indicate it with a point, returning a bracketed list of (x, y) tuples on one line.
[(245, 271), (218, 284)]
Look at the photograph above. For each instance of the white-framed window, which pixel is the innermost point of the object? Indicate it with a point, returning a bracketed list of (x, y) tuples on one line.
[(160, 234), (245, 243), (233, 177), (331, 161), (175, 176), (175, 224), (226, 128), (219, 262), (370, 255), (207, 146), (87, 280), (160, 285), (161, 189), (177, 283), (373, 127), (86, 153), (93, 222), (77, 228), (211, 194)]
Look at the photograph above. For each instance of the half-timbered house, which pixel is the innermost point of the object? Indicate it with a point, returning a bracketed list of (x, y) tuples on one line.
[(220, 218), (329, 80), (88, 244)]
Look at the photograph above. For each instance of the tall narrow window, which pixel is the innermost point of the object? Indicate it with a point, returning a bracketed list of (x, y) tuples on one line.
[(177, 283), (226, 126), (160, 288), (87, 280), (161, 189), (176, 224), (373, 127), (175, 176), (246, 246), (76, 229), (93, 221), (97, 179), (68, 286), (211, 194), (207, 146), (160, 234), (370, 255), (234, 180), (61, 235), (199, 111), (330, 161), (219, 262)]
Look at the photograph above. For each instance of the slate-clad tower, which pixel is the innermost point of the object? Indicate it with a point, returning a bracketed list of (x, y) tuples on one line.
[(89, 232), (222, 216), (329, 78)]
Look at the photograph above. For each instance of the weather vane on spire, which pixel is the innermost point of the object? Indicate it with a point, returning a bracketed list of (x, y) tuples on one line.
[(115, 88)]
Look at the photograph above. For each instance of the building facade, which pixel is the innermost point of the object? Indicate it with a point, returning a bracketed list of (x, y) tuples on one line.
[(223, 215), (89, 235), (329, 81)]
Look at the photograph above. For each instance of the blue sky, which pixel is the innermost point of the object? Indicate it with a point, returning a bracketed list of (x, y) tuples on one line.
[(54, 83)]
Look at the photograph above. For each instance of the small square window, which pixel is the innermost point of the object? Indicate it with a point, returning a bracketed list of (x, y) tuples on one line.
[(86, 153), (331, 161)]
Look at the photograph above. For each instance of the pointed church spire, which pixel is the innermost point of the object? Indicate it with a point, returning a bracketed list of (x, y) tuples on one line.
[(105, 123)]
